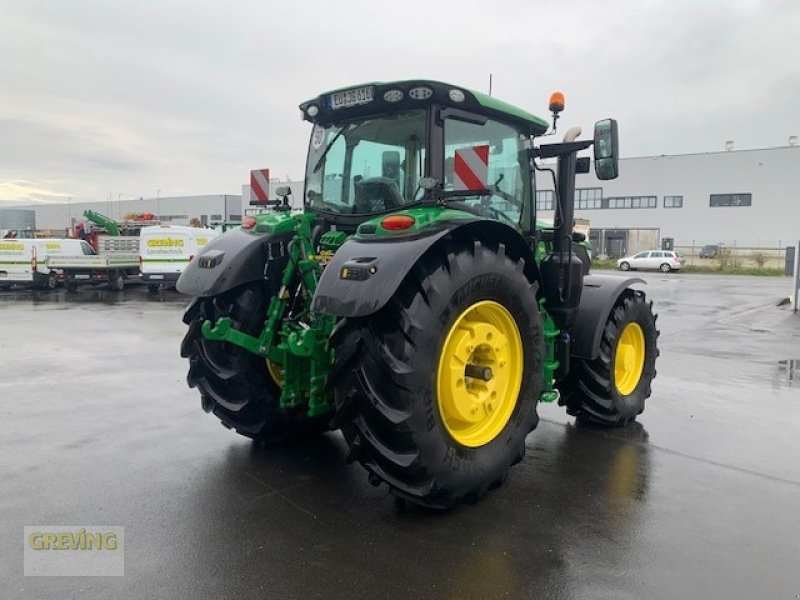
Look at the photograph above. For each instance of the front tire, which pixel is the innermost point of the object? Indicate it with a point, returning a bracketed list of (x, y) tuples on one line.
[(235, 385), (410, 410), (611, 390), (624, 266)]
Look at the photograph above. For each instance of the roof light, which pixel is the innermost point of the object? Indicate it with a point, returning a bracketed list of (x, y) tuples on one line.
[(248, 223), (456, 95), (393, 95), (556, 102), (313, 110), (420, 93), (397, 222)]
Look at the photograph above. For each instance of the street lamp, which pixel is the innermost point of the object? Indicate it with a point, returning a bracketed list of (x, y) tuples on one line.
[(158, 205)]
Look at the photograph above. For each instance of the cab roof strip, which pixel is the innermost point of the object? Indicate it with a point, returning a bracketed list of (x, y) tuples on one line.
[(474, 101)]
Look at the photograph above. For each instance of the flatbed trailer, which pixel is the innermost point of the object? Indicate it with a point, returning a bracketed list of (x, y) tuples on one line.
[(116, 262)]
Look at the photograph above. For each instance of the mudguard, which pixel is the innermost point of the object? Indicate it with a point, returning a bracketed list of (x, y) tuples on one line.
[(597, 299), (234, 258), (365, 272)]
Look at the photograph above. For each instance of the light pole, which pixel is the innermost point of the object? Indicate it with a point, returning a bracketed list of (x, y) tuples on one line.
[(158, 205)]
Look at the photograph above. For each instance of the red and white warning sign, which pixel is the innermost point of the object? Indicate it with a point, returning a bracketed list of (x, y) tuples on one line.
[(259, 186), (471, 168)]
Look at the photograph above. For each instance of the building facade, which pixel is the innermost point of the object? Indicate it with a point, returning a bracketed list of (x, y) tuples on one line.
[(745, 198), (177, 210), (17, 218)]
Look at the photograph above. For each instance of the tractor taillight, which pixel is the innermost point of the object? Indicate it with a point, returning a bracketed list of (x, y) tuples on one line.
[(397, 222), (248, 223)]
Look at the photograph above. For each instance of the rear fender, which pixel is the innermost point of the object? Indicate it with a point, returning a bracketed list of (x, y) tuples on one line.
[(365, 273), (600, 292), (230, 260)]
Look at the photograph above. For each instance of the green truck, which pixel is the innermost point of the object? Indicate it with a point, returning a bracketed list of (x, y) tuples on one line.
[(417, 303)]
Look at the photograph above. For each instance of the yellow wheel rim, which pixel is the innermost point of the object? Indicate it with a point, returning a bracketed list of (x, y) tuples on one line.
[(479, 373), (629, 360), (276, 372)]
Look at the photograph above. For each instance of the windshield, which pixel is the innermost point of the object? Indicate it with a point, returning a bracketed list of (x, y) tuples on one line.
[(368, 165)]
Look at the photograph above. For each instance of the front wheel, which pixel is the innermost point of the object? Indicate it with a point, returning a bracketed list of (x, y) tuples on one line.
[(665, 268), (438, 389), (239, 387), (624, 266), (611, 390)]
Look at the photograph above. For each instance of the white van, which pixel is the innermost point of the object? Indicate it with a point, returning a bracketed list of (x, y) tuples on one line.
[(25, 260), (165, 250)]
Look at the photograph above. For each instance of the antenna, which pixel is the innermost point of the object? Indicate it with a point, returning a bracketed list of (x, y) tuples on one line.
[(490, 84)]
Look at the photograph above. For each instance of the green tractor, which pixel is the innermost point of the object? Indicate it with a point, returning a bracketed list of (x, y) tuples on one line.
[(416, 303)]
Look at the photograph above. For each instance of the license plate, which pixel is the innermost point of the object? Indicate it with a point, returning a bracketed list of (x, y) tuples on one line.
[(348, 98), (156, 277), (81, 276)]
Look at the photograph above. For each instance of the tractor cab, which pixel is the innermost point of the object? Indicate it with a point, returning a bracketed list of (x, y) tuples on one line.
[(379, 148)]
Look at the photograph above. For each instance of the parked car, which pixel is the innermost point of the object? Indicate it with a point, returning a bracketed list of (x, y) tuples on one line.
[(663, 260)]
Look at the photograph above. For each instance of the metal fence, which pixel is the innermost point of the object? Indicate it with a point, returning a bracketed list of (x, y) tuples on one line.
[(735, 255)]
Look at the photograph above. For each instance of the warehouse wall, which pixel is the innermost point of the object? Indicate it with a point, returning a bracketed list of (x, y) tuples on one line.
[(178, 210), (770, 175)]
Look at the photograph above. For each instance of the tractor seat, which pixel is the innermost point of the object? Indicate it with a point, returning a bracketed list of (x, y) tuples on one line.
[(377, 194)]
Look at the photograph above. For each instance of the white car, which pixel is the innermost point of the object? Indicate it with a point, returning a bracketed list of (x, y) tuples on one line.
[(663, 260)]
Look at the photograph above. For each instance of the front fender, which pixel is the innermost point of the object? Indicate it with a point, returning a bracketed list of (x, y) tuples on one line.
[(232, 259), (599, 294)]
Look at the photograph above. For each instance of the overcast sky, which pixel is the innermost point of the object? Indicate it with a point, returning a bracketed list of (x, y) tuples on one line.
[(102, 97)]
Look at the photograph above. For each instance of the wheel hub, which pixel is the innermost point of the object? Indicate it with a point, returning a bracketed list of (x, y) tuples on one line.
[(479, 373), (629, 359)]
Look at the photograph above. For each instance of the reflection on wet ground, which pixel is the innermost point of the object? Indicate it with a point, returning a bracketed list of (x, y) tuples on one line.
[(699, 498), (789, 371)]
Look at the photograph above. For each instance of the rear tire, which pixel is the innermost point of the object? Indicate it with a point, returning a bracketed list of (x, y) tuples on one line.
[(665, 268), (235, 384), (623, 266), (387, 365), (601, 391)]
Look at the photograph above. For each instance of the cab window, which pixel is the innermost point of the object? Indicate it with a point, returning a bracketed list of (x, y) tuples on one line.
[(492, 161)]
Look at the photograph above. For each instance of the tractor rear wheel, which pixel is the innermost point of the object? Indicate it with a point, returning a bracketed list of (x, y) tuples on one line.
[(611, 390), (436, 392), (239, 387)]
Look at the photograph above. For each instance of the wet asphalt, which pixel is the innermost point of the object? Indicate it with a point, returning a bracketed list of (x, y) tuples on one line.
[(699, 499)]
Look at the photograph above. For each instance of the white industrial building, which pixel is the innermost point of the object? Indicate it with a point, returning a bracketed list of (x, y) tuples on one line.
[(743, 198), (177, 210)]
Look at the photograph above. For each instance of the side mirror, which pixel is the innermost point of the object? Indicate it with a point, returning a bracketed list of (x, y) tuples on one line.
[(283, 191), (606, 149)]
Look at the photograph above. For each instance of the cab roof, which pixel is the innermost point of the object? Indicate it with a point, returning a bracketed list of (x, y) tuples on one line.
[(438, 92)]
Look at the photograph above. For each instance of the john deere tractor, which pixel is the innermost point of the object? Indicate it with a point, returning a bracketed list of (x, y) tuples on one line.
[(416, 302)]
